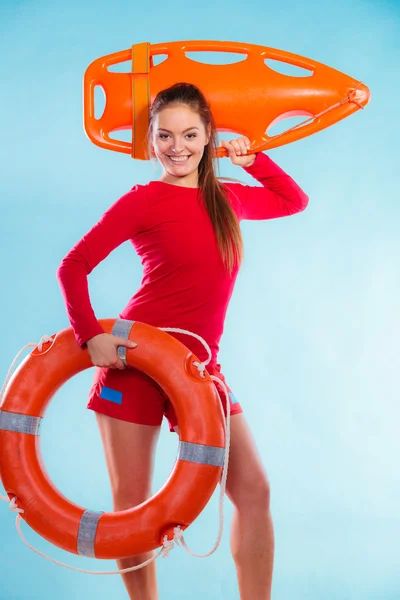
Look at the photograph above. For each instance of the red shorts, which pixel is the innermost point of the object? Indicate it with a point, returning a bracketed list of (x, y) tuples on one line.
[(132, 396)]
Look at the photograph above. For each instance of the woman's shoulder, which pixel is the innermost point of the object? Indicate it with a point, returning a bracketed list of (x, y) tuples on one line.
[(131, 205), (137, 194), (235, 191)]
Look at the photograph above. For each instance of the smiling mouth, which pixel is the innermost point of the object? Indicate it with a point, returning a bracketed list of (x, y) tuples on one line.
[(179, 159)]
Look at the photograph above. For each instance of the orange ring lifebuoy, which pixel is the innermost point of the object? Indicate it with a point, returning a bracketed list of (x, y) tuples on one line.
[(194, 477)]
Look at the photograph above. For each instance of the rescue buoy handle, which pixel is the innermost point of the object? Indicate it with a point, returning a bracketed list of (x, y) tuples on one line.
[(324, 98), (93, 126)]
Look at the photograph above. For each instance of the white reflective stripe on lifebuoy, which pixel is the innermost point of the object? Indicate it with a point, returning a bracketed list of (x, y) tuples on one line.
[(19, 423), (205, 455), (87, 532), (122, 328)]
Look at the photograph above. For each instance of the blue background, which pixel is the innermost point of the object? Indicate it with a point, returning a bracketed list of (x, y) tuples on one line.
[(311, 340)]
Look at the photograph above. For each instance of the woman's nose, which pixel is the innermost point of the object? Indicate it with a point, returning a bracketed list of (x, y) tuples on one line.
[(177, 146)]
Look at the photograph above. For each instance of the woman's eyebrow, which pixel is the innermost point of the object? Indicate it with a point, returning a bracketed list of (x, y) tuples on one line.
[(162, 129)]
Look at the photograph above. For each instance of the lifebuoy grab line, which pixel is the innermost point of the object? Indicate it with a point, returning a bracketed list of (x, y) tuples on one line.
[(31, 425)]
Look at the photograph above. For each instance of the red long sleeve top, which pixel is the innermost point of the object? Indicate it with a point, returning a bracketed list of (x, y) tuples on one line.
[(184, 283)]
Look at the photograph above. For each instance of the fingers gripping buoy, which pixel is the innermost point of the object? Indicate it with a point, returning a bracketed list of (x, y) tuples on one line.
[(194, 477)]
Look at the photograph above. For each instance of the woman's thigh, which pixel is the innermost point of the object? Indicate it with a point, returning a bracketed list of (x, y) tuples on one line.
[(129, 450), (127, 395), (247, 484)]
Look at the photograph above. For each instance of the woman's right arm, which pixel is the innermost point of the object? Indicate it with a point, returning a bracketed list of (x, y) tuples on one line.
[(118, 224)]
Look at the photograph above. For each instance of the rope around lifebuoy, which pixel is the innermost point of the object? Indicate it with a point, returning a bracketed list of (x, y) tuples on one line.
[(168, 545)]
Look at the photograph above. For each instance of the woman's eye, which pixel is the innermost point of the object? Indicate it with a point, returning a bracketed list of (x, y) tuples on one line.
[(164, 136)]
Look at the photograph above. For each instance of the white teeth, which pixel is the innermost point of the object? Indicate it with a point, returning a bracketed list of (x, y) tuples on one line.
[(180, 159)]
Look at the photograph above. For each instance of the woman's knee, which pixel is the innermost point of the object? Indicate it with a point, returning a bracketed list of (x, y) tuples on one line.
[(130, 487), (263, 492), (127, 495), (254, 495)]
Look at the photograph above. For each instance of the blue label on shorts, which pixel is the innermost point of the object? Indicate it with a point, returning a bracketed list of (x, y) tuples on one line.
[(232, 397), (111, 395)]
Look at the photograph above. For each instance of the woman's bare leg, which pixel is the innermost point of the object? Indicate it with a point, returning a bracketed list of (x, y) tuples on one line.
[(129, 451), (252, 534)]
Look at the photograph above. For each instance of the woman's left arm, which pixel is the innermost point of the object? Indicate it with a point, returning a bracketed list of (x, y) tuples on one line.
[(279, 195)]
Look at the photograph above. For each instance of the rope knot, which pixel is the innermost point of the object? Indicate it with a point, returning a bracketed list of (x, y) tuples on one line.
[(201, 367), (178, 534), (352, 97), (168, 545), (13, 506), (43, 340)]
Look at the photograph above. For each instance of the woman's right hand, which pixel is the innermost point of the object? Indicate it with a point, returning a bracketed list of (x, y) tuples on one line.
[(103, 350)]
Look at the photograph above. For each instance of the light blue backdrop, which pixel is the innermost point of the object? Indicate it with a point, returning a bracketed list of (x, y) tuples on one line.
[(311, 340)]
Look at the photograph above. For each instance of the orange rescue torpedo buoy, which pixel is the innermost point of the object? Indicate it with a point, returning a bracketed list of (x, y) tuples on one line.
[(194, 477), (246, 97)]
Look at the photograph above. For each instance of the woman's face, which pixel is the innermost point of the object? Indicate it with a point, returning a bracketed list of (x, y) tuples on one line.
[(179, 138)]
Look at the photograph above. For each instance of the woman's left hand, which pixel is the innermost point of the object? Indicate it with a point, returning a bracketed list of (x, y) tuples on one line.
[(237, 150)]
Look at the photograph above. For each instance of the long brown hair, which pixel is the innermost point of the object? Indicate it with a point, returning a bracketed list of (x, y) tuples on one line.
[(223, 218)]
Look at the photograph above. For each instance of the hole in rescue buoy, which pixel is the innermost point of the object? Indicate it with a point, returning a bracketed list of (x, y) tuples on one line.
[(285, 68), (121, 135), (158, 59), (121, 67), (216, 58), (287, 121), (229, 135), (99, 101)]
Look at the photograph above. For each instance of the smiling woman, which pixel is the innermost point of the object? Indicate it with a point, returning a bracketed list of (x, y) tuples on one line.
[(167, 142), (175, 148), (186, 230), (182, 135)]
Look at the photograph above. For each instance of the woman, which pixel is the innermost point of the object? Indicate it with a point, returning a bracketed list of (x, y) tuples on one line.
[(185, 228)]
